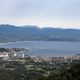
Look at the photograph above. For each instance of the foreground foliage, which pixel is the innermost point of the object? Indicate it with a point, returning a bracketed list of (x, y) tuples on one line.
[(31, 70)]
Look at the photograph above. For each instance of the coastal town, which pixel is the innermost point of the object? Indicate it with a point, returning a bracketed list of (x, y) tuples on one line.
[(14, 62), (17, 54)]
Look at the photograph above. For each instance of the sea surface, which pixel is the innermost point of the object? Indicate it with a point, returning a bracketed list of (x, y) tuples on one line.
[(46, 48)]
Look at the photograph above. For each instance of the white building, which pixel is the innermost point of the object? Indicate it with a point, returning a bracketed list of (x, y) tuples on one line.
[(15, 54), (23, 55), (4, 56)]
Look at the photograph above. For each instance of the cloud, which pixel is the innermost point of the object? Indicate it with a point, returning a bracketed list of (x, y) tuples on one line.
[(55, 11), (27, 8)]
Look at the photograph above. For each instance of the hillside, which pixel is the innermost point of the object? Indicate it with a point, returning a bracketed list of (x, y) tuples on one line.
[(9, 33)]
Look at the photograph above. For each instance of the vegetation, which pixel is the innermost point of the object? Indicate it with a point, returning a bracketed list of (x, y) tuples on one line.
[(72, 74), (30, 70), (11, 33)]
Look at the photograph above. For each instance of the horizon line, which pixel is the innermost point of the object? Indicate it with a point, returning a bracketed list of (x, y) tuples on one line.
[(30, 25)]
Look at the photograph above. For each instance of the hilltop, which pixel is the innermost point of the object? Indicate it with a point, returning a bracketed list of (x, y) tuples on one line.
[(10, 33)]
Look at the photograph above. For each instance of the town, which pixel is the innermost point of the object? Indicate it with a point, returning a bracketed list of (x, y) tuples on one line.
[(14, 62), (17, 54)]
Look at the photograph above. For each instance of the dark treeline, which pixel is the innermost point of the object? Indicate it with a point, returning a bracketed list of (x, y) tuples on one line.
[(18, 71), (72, 74)]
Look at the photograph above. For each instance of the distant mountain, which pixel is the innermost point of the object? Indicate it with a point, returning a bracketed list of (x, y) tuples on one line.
[(9, 33)]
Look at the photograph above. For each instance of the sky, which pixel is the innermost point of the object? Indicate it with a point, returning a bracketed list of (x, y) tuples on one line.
[(42, 13)]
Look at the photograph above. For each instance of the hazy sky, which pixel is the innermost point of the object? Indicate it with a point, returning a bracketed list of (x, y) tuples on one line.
[(43, 13)]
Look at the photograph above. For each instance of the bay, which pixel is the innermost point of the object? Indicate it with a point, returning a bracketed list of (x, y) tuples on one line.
[(46, 48)]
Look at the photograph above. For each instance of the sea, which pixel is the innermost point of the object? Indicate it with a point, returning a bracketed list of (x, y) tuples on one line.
[(46, 48)]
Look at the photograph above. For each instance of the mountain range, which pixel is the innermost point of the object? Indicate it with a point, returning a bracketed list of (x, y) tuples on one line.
[(10, 33)]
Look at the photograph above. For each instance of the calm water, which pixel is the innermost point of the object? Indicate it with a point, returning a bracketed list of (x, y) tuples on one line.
[(46, 48)]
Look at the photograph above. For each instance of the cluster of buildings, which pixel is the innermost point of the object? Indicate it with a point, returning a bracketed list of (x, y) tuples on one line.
[(4, 56), (56, 59), (11, 54)]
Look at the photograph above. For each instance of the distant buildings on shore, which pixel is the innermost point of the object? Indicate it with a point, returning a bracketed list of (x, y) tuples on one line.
[(56, 59), (6, 56), (11, 55)]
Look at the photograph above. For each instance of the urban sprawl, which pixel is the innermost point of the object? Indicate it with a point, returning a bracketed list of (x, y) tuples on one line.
[(17, 54)]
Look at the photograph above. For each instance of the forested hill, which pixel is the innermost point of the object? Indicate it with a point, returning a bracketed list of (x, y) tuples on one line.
[(9, 33)]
